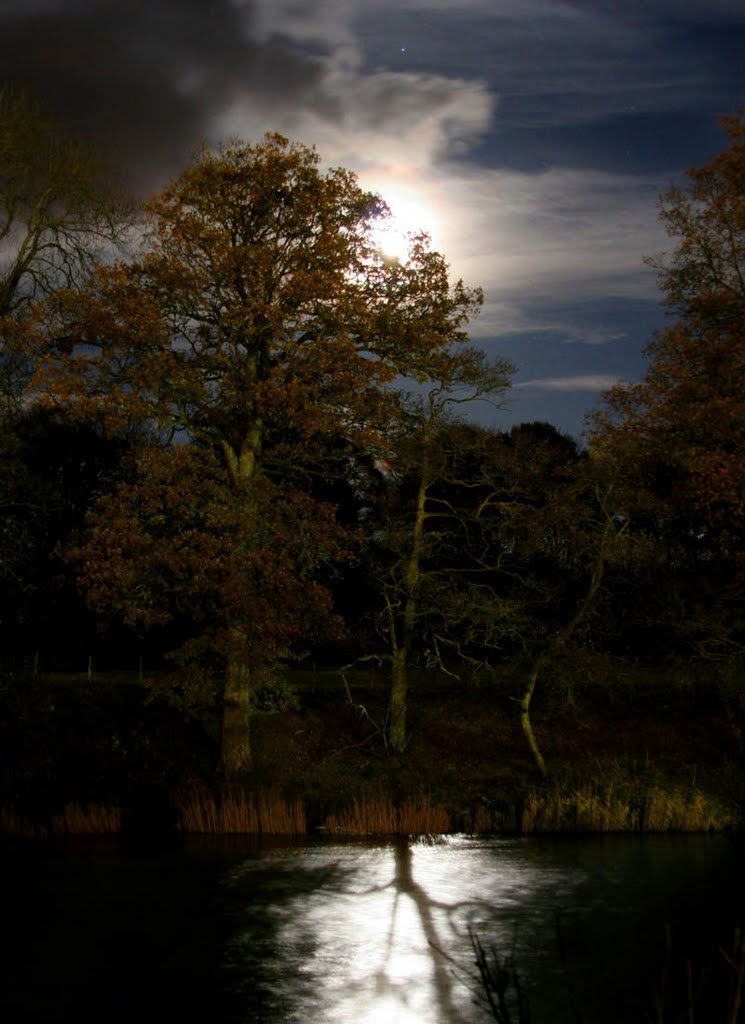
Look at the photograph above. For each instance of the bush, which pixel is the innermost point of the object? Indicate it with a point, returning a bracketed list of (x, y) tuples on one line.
[(273, 695)]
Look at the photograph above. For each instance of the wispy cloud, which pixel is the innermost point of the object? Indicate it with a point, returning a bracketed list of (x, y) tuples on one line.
[(537, 135), (376, 123), (529, 239), (580, 382)]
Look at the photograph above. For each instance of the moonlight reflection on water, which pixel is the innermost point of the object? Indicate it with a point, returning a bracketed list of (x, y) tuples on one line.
[(382, 933), (229, 930), (356, 934)]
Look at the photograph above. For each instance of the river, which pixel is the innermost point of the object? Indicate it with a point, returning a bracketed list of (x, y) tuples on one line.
[(330, 932)]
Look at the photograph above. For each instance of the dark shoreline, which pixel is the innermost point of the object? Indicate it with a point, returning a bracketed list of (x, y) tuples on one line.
[(97, 756)]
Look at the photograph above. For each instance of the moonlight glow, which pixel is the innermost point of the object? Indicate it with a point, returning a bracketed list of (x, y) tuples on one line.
[(409, 216)]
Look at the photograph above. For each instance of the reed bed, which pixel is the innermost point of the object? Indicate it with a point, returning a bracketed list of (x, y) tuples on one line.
[(89, 820), (684, 811), (378, 815), (14, 823), (482, 821), (235, 812), (614, 809), (73, 820)]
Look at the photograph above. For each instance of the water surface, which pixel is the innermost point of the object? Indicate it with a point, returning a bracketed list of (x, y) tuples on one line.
[(356, 933)]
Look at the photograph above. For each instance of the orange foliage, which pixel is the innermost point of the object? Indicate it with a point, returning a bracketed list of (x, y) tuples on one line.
[(688, 413), (256, 337)]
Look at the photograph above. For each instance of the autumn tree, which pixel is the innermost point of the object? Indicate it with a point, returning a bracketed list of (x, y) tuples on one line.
[(261, 333), (680, 432), (242, 578)]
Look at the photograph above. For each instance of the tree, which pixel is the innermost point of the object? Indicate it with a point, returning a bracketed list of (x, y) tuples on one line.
[(413, 580), (705, 275), (261, 333), (536, 536), (59, 212), (680, 432), (490, 550), (58, 208), (573, 534), (239, 576)]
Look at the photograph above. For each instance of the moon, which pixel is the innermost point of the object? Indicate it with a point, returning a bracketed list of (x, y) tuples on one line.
[(409, 216)]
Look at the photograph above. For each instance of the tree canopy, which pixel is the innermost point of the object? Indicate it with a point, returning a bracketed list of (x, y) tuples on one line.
[(260, 334), (258, 414), (679, 434)]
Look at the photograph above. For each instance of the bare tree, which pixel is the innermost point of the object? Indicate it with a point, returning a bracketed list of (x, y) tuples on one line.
[(60, 214), (59, 210)]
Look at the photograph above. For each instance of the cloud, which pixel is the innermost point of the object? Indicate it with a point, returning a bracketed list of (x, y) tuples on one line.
[(149, 79), (385, 122), (527, 10), (551, 61), (557, 323), (539, 244), (321, 23), (579, 382)]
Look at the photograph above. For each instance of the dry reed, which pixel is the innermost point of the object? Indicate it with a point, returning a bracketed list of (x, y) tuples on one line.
[(377, 815), (594, 809), (93, 819), (73, 820), (684, 811), (13, 823), (482, 821), (234, 812)]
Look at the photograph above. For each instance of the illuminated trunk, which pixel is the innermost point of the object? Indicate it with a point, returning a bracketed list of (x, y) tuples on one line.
[(561, 638), (525, 722)]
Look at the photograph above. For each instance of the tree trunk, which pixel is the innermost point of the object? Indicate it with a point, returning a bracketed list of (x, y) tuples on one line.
[(235, 749), (525, 717), (397, 707), (563, 635), (402, 642)]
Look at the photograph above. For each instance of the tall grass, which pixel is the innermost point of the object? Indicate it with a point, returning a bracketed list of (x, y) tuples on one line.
[(500, 985), (236, 812), (90, 820), (14, 823), (614, 808), (378, 815), (715, 996), (684, 811), (73, 820), (486, 820)]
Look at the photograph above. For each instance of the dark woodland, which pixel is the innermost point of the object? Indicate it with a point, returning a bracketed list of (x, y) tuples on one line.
[(262, 569)]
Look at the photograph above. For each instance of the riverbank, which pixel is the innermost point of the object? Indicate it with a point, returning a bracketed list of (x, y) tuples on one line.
[(91, 756)]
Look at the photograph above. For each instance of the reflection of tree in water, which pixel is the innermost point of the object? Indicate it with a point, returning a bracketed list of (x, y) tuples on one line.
[(376, 934), (405, 885), (289, 961)]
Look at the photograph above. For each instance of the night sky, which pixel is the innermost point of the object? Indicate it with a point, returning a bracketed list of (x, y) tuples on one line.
[(531, 137)]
